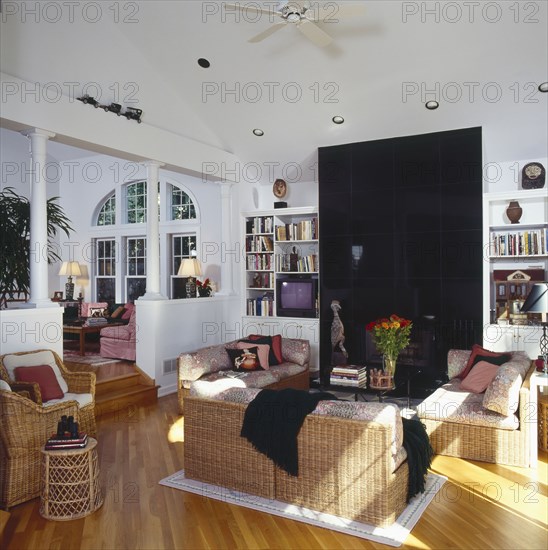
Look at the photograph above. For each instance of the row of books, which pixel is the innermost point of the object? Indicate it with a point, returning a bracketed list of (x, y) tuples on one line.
[(259, 261), (522, 243), (349, 375), (302, 264), (262, 224), (260, 307), (260, 243), (306, 230), (61, 443), (262, 280)]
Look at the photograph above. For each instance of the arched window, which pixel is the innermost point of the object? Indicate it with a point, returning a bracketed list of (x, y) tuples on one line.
[(107, 213), (182, 207), (120, 248)]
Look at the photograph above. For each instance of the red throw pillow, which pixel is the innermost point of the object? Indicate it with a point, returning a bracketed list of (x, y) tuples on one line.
[(129, 307), (44, 376), (485, 354), (275, 343), (479, 377)]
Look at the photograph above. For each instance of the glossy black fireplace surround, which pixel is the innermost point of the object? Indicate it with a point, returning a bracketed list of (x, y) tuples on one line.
[(401, 232)]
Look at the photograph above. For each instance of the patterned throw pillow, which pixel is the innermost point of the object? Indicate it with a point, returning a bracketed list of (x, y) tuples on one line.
[(262, 351), (244, 360), (258, 339)]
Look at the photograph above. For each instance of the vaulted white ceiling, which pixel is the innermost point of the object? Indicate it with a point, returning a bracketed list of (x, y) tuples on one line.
[(481, 61)]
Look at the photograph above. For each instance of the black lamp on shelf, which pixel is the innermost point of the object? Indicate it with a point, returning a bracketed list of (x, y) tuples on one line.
[(537, 302)]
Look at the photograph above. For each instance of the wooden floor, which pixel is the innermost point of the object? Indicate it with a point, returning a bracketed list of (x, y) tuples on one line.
[(481, 506)]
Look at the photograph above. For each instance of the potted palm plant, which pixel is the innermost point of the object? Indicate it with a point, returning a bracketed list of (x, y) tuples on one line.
[(15, 242)]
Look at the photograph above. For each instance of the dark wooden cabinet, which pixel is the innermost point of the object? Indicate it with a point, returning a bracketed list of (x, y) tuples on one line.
[(402, 233)]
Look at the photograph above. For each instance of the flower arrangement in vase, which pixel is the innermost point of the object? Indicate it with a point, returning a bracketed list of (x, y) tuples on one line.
[(390, 336), (204, 288)]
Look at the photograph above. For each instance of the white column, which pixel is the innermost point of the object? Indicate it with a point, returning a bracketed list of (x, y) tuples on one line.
[(38, 219), (153, 233), (229, 250)]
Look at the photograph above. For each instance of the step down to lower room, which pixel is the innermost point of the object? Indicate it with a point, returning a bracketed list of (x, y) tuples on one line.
[(123, 394)]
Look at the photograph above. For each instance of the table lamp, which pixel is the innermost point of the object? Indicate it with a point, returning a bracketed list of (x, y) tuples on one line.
[(537, 302), (191, 268), (70, 269)]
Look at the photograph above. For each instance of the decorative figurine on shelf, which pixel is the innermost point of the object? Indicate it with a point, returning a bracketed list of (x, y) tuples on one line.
[(339, 355), (280, 189), (294, 260)]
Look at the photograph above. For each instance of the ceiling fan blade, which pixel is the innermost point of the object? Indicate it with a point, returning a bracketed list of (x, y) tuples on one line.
[(251, 8), (314, 33), (267, 32), (347, 10)]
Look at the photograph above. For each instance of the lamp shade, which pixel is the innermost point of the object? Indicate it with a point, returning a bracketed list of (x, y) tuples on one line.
[(190, 267), (537, 301), (70, 269)]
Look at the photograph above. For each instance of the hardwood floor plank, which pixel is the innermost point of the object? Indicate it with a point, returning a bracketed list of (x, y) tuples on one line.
[(481, 505)]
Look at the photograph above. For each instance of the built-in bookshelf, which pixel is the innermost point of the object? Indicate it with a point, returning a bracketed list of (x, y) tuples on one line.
[(517, 257), (280, 246)]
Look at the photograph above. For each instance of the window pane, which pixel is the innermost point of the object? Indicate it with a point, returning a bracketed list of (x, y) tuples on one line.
[(182, 247), (105, 289), (135, 287), (136, 202), (182, 207), (107, 214)]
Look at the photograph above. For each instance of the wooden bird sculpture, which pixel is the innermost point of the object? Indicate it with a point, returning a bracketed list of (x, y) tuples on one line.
[(337, 329)]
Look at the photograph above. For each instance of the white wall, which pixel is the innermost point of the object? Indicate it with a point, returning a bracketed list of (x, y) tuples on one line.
[(31, 329), (181, 326), (86, 182)]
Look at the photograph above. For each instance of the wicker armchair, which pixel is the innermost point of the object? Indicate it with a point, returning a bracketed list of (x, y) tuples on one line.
[(24, 428), (26, 423), (77, 383)]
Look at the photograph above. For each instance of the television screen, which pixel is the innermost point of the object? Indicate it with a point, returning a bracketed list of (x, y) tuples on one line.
[(297, 295)]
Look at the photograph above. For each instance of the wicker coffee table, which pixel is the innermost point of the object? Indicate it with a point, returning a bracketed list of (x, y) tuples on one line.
[(70, 483)]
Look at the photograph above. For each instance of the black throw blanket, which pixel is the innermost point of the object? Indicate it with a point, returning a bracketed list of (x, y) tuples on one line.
[(419, 455), (273, 420)]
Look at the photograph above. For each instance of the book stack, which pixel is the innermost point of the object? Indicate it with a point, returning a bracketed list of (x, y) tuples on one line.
[(94, 321), (349, 375), (67, 436), (55, 443)]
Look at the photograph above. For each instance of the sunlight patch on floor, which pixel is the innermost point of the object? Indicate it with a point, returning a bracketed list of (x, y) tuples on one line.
[(177, 431)]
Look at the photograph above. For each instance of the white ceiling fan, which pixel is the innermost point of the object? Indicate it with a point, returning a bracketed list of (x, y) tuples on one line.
[(304, 16)]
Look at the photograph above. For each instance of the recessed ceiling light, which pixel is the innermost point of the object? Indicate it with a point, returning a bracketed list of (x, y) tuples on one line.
[(338, 119), (204, 63), (543, 87), (258, 132), (431, 105)]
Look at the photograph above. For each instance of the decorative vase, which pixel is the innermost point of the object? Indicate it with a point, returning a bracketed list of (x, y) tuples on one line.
[(514, 212), (389, 365), (204, 292)]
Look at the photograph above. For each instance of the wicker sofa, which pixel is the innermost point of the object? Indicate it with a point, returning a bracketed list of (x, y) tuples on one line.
[(489, 427), (212, 368), (351, 460)]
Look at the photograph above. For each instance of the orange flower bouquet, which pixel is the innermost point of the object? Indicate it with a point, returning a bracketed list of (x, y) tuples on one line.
[(390, 336)]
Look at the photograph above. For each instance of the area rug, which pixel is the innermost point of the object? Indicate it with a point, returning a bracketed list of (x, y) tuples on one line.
[(394, 535)]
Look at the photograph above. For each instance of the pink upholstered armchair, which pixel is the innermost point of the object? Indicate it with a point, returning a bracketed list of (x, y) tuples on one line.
[(118, 342)]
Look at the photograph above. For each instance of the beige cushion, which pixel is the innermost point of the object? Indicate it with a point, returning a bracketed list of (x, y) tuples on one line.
[(4, 386), (45, 357), (83, 399)]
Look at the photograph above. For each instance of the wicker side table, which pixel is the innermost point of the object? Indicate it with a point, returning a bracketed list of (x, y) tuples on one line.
[(70, 483)]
